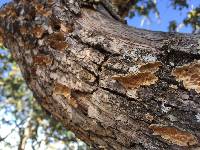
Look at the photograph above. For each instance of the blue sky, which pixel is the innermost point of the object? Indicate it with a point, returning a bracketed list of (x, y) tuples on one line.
[(167, 13), (4, 1)]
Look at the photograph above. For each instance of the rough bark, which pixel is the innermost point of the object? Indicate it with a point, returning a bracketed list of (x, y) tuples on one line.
[(114, 86)]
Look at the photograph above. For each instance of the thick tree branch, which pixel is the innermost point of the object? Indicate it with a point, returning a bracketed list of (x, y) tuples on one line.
[(115, 86)]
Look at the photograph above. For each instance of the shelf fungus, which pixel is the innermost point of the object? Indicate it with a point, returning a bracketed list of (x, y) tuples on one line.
[(60, 89), (174, 135), (3, 13), (189, 74), (24, 30), (66, 28), (40, 9), (42, 60), (57, 41), (144, 77), (59, 45), (8, 10), (38, 31), (1, 35)]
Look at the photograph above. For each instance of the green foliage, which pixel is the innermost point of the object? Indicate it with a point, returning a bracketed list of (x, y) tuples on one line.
[(193, 19), (180, 4), (143, 8), (1, 46), (172, 26)]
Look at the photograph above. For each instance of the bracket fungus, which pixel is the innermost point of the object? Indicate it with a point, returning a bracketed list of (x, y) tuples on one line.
[(57, 41), (144, 77), (189, 74), (42, 60), (174, 135), (60, 89)]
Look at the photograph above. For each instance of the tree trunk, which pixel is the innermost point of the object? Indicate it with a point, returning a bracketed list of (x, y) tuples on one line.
[(114, 86)]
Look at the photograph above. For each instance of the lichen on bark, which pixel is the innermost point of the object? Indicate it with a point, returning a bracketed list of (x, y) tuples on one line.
[(69, 54)]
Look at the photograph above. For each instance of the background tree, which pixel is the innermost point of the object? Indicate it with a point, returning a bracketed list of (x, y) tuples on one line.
[(26, 117)]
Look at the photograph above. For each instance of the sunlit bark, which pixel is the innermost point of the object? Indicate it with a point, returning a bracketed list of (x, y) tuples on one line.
[(114, 86)]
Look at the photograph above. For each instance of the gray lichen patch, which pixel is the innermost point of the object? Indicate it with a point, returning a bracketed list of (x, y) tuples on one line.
[(149, 117), (198, 44), (174, 135), (198, 117), (72, 66), (189, 74)]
